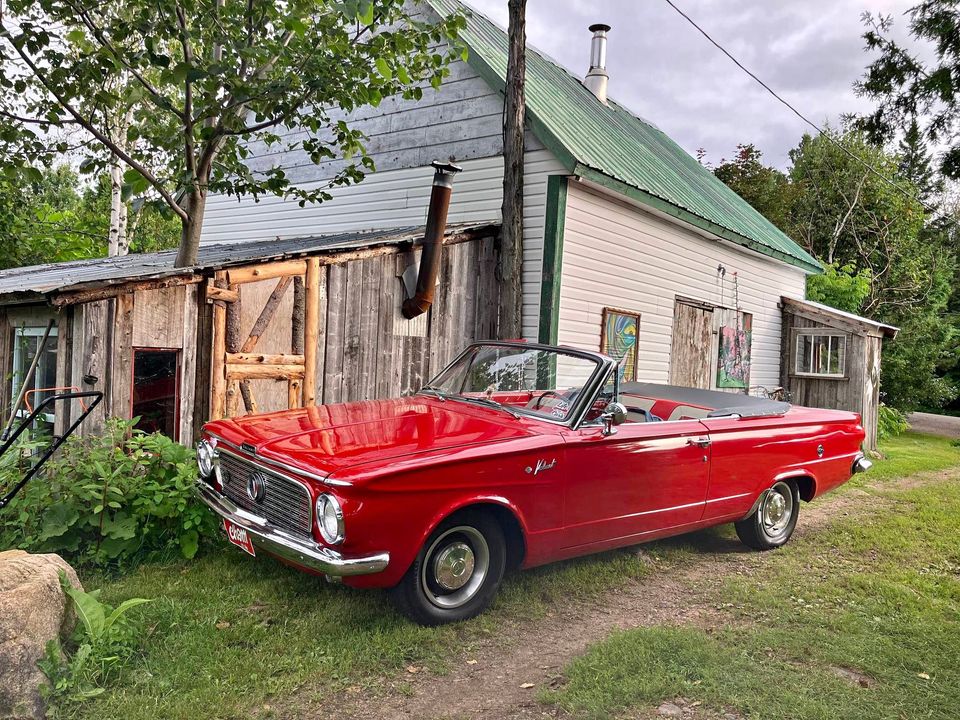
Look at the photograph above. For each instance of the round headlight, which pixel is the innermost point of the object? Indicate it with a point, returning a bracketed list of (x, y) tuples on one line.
[(329, 519), (206, 452)]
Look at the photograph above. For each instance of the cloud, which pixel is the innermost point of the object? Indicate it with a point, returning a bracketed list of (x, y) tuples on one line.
[(667, 72)]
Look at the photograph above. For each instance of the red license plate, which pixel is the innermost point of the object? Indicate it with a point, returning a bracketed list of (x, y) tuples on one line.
[(239, 537)]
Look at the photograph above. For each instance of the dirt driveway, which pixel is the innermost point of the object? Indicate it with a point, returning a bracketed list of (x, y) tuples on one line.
[(945, 425), (500, 677)]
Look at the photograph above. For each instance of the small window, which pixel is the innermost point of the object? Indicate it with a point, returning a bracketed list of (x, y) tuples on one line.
[(821, 354), (156, 399), (26, 341)]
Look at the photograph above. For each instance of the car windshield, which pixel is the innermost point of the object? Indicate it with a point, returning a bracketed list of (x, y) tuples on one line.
[(530, 381)]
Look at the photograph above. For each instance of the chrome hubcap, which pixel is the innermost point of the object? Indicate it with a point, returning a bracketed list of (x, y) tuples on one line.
[(777, 510), (453, 566)]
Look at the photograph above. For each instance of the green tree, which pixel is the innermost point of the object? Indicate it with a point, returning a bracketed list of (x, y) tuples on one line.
[(150, 226), (842, 287), (846, 214), (205, 79), (767, 189), (906, 85), (916, 164), (57, 219), (39, 220)]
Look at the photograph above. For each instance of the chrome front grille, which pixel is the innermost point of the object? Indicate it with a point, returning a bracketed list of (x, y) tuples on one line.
[(285, 503)]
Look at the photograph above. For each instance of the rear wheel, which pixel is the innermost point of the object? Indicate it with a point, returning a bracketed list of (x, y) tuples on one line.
[(457, 572), (775, 518)]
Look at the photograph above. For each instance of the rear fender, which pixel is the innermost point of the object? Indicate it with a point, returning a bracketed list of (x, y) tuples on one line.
[(805, 480)]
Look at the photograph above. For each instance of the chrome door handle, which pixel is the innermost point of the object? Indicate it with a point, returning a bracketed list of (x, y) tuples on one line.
[(699, 442)]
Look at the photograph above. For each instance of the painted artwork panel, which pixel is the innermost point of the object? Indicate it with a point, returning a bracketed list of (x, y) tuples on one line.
[(733, 363), (618, 339)]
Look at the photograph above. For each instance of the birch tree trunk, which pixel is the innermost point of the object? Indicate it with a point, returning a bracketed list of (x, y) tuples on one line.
[(117, 241), (510, 266), (117, 206)]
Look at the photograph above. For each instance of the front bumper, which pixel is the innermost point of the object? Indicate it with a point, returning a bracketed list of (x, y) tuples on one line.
[(297, 550)]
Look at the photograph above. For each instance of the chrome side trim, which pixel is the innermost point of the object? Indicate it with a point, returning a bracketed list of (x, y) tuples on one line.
[(300, 551), (861, 464), (728, 497)]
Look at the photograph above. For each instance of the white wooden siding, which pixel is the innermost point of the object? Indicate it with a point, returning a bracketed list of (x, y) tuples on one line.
[(616, 255)]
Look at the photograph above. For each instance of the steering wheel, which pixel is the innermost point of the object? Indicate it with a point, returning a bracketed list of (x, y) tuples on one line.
[(538, 402)]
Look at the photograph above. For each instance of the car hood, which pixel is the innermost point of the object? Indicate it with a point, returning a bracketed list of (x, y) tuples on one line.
[(329, 438)]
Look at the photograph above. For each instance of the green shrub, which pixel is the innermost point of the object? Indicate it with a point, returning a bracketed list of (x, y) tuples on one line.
[(109, 500), (103, 641), (890, 422)]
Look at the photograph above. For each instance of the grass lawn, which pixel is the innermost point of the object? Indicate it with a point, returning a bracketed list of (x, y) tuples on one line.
[(227, 633), (231, 632), (879, 597)]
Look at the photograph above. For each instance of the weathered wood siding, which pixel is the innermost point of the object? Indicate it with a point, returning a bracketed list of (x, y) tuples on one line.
[(96, 349), (858, 391), (617, 255), (367, 349)]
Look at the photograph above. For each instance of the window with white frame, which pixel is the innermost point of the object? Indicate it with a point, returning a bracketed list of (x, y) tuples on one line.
[(26, 341), (820, 353)]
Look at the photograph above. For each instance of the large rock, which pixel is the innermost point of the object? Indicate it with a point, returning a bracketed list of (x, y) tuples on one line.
[(33, 611)]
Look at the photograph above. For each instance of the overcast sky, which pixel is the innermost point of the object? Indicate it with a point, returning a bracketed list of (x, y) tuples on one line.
[(660, 67)]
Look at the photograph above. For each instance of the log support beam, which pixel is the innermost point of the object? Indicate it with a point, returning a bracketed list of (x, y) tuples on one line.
[(311, 330)]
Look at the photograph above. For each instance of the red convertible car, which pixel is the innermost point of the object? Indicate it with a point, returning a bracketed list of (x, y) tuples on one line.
[(515, 455)]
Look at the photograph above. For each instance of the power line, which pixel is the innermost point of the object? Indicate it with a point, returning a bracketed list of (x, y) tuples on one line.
[(796, 112)]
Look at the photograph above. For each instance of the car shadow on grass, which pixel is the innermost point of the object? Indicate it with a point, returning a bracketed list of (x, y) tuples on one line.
[(720, 540)]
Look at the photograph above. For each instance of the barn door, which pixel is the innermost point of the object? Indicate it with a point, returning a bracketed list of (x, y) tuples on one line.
[(238, 360), (691, 352)]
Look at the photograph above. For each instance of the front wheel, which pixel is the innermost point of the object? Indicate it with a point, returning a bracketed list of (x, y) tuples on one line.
[(457, 572), (775, 518)]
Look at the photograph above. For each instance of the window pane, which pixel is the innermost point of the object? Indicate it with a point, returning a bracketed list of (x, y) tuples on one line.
[(804, 346), (26, 342), (155, 391), (820, 354)]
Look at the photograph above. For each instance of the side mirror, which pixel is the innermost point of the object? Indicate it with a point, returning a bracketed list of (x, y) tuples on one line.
[(613, 414)]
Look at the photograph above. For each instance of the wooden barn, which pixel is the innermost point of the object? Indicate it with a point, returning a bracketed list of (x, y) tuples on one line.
[(831, 359), (255, 326)]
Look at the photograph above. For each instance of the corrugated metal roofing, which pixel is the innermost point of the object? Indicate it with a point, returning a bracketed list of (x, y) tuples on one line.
[(610, 141), (43, 279), (888, 330)]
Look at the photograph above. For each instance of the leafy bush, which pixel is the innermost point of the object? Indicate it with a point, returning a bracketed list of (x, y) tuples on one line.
[(103, 641), (890, 422), (108, 500), (840, 286)]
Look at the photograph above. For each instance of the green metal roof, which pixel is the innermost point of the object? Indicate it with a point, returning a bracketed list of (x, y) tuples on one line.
[(610, 145)]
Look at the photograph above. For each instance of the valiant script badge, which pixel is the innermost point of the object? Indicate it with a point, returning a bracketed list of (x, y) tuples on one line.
[(541, 465)]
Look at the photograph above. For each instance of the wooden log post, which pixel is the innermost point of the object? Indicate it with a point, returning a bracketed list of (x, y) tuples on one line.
[(511, 239), (295, 387), (232, 344), (218, 353), (311, 330)]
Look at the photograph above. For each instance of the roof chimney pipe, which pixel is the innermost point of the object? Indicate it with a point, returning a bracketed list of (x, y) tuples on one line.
[(597, 79)]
